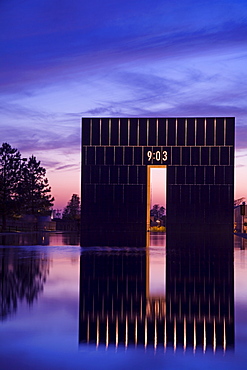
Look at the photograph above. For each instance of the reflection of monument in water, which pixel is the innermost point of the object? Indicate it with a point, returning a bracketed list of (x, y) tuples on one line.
[(129, 298), (200, 291), (112, 297)]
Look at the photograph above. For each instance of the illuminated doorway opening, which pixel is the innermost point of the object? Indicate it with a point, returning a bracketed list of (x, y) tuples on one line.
[(156, 198), (156, 241)]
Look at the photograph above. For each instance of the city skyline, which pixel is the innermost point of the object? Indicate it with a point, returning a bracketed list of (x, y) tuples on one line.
[(60, 63)]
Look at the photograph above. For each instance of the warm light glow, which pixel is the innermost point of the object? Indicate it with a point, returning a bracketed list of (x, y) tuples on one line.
[(126, 331), (155, 333), (165, 338), (175, 334), (146, 333), (107, 332), (194, 347), (204, 335), (224, 334), (117, 331), (214, 337), (97, 336), (136, 338), (185, 333)]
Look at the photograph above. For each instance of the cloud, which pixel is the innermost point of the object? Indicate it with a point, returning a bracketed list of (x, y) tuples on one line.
[(240, 165), (241, 155), (39, 49), (42, 139), (67, 167), (55, 150), (39, 129)]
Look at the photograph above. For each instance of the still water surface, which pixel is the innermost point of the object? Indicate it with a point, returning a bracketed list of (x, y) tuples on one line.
[(180, 304)]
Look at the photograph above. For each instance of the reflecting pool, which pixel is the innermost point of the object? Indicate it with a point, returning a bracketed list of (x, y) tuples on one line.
[(181, 303)]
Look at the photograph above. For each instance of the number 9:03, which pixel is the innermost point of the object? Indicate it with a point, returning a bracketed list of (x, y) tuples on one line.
[(157, 155)]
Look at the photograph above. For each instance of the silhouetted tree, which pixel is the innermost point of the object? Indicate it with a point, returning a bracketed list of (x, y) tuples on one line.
[(34, 190), (72, 210), (10, 174), (23, 185), (157, 212), (162, 211)]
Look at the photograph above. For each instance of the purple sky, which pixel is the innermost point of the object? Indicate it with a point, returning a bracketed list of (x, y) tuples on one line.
[(61, 60)]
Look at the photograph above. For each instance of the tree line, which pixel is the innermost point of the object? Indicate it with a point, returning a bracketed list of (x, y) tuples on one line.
[(24, 187), (73, 210), (157, 212)]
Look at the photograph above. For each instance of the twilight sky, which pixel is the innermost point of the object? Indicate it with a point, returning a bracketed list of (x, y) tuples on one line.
[(64, 59)]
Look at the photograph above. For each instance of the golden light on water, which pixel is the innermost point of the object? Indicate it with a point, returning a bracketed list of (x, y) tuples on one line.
[(155, 333), (107, 332), (136, 336), (185, 337), (165, 337), (146, 333), (175, 334), (126, 331), (117, 331), (194, 346), (204, 335), (97, 335), (224, 334), (214, 336)]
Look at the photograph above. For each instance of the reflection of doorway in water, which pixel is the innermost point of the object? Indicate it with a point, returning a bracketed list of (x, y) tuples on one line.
[(156, 266), (156, 285), (156, 192)]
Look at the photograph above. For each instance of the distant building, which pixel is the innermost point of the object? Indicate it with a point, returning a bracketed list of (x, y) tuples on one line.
[(240, 218), (56, 213)]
